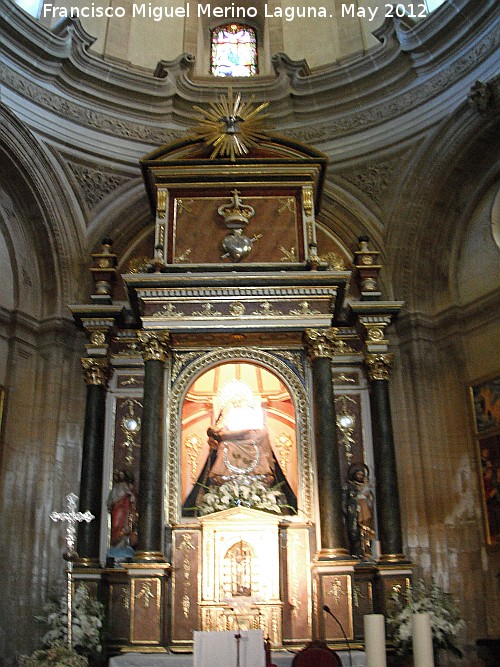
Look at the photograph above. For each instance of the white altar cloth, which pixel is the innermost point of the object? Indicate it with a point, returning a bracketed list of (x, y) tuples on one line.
[(279, 658), (220, 649)]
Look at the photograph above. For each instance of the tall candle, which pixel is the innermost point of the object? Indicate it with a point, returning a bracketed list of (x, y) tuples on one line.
[(423, 655), (375, 655)]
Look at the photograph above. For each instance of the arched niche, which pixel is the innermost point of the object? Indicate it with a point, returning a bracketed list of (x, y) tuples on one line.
[(192, 411)]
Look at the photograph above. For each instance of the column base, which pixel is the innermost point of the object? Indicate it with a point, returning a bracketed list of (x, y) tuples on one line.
[(92, 563), (393, 558), (334, 554), (149, 557)]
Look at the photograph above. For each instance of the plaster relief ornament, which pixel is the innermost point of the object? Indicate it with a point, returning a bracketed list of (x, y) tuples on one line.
[(230, 126)]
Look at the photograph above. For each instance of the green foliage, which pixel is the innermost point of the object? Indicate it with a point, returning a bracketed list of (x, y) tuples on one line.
[(57, 655)]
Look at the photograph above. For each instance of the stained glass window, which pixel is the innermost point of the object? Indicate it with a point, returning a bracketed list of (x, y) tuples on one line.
[(234, 50), (33, 7)]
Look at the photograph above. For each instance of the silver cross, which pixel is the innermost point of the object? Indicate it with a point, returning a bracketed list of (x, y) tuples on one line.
[(72, 517)]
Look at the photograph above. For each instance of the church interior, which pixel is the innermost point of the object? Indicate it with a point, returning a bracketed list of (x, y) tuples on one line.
[(249, 301)]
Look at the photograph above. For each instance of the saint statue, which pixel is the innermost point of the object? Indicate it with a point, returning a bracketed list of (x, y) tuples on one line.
[(357, 504), (122, 505)]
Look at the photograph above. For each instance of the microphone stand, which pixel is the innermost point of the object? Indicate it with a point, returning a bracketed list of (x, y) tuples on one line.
[(237, 636), (329, 611)]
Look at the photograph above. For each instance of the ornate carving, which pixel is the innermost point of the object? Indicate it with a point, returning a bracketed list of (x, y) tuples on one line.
[(346, 423), (207, 311), (304, 309), (288, 255), (333, 261), (374, 178), (481, 96), (320, 343), (94, 183), (161, 203), (146, 594), (193, 444), (168, 310), (237, 309), (267, 310), (378, 366), (154, 346), (95, 370)]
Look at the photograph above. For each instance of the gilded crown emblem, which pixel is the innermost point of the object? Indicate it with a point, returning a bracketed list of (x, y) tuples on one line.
[(236, 214)]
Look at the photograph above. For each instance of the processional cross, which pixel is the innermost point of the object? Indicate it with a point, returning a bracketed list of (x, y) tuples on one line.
[(73, 518)]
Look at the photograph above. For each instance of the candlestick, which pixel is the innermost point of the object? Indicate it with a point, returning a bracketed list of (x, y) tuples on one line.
[(423, 654), (375, 655)]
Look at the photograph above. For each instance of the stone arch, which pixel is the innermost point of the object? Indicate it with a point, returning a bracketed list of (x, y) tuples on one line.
[(441, 188), (49, 224)]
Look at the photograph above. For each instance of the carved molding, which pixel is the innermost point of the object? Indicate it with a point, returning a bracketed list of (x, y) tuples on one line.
[(95, 184)]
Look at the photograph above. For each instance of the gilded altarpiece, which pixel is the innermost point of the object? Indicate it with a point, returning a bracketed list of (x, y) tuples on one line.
[(234, 283)]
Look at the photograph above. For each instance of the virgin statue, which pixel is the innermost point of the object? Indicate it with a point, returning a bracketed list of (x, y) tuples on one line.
[(239, 445)]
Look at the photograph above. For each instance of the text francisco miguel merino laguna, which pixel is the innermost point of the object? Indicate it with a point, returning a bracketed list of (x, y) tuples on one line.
[(199, 9)]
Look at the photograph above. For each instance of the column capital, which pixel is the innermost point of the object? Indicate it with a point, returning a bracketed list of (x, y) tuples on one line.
[(320, 343), (96, 371), (154, 345), (98, 331), (378, 365)]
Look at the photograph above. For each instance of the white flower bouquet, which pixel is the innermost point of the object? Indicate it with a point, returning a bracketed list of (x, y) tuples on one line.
[(446, 623), (243, 491), (87, 617)]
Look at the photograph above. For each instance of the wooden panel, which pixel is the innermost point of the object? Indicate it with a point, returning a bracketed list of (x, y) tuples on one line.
[(185, 591), (197, 230)]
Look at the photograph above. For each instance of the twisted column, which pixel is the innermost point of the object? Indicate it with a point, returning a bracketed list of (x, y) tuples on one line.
[(155, 347), (96, 374), (320, 349)]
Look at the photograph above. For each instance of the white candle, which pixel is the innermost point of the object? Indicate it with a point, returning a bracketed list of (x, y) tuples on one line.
[(423, 655), (375, 655)]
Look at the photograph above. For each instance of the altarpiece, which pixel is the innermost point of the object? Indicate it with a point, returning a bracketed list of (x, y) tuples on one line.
[(237, 374)]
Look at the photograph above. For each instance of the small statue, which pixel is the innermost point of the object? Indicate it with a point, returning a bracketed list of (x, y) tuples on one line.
[(122, 504), (357, 506)]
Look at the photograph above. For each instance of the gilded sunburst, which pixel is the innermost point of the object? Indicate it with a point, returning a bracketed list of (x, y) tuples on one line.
[(231, 126)]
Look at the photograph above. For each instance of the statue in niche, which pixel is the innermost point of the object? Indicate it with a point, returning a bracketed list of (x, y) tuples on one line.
[(122, 505), (357, 505), (240, 448)]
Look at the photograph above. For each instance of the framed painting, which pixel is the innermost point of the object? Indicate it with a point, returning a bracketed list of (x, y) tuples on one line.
[(485, 397)]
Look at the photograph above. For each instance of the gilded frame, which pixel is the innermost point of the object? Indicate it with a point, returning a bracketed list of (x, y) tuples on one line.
[(276, 362), (485, 405)]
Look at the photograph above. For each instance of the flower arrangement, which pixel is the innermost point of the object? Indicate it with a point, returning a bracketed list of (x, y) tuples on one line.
[(58, 655), (243, 491), (87, 616), (446, 623)]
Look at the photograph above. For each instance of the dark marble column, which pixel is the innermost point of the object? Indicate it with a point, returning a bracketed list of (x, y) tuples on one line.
[(96, 372), (150, 500), (320, 348), (387, 493)]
